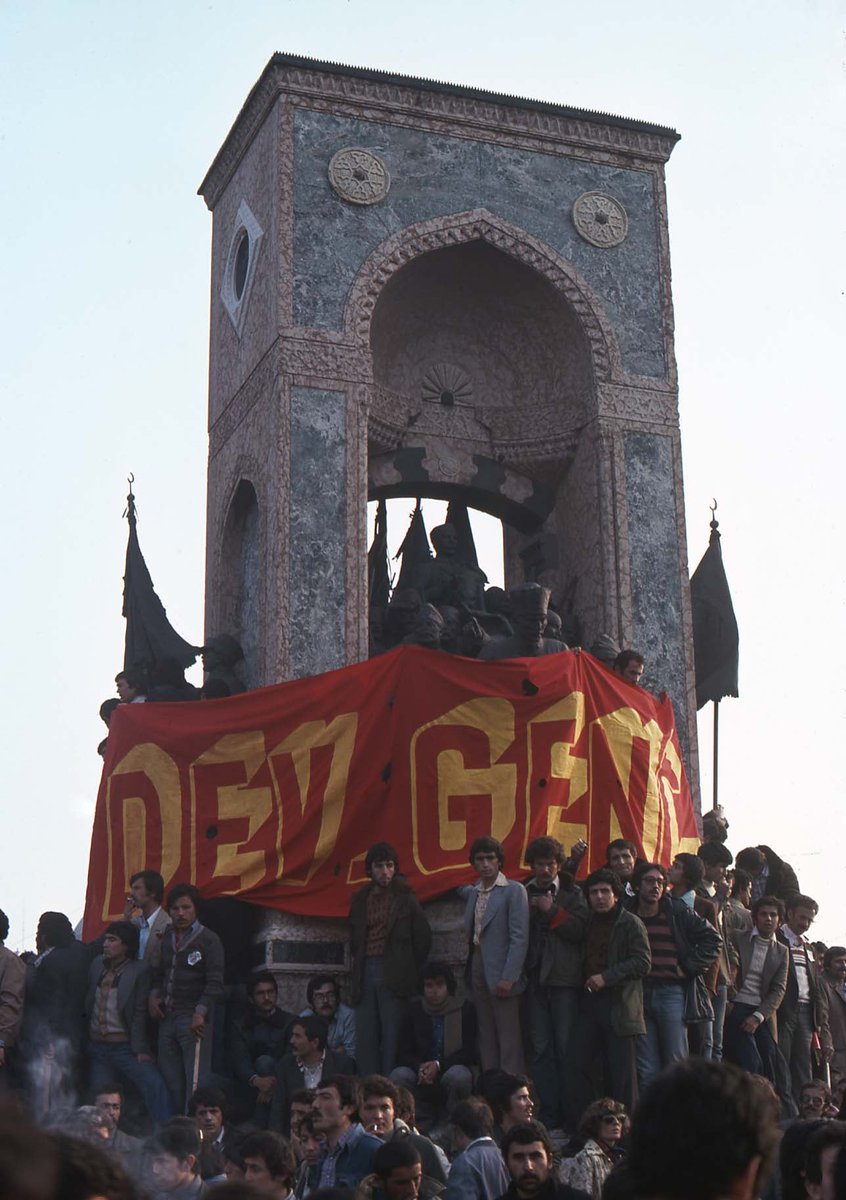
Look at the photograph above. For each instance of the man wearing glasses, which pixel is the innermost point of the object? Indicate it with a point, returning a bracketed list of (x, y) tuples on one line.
[(324, 1000)]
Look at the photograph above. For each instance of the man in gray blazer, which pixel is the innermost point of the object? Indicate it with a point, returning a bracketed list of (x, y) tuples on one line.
[(144, 909), (496, 924), (751, 1035)]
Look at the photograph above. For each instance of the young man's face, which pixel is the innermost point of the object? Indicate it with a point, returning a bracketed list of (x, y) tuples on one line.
[(329, 1114), (766, 920), (138, 892), (528, 1166), (486, 864), (170, 1172), (209, 1118), (651, 887), (311, 1147), (812, 1102), (521, 1105), (545, 871), (837, 967), (715, 873), (108, 1103), (383, 872), (622, 861), (403, 1183), (601, 897), (299, 1109), (301, 1044), (256, 1172), (377, 1115), (183, 914), (435, 991), (263, 998), (632, 672), (114, 950), (325, 1001), (675, 875), (800, 919)]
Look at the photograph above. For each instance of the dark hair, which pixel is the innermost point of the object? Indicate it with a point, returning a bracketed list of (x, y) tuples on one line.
[(209, 1097), (487, 845), (394, 1154), (54, 929), (107, 708), (153, 882), (545, 847), (501, 1088), (318, 981), (673, 1156), (110, 1088), (87, 1170), (440, 970), (741, 881), (791, 1157), (715, 854), (751, 859), (135, 678), (590, 1121), (274, 1149), (347, 1087), (604, 875), (314, 1027), (832, 953), (380, 852), (523, 1135), (302, 1096), (4, 926), (128, 934), (621, 844), (625, 657), (179, 1141), (768, 902), (29, 1157), (261, 977), (641, 869), (180, 890), (796, 900), (693, 868), (405, 1107), (473, 1117), (379, 1085), (830, 1133)]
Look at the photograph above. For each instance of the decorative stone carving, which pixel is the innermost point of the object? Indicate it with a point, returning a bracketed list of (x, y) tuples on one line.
[(600, 219), (359, 176), (447, 385)]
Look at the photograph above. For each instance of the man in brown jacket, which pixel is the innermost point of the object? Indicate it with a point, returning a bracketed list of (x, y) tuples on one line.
[(832, 997), (12, 982), (751, 1035)]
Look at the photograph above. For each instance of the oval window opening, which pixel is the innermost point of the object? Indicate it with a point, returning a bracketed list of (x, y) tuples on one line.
[(242, 262)]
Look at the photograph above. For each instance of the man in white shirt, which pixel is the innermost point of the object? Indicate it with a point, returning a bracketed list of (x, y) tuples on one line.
[(763, 962), (144, 909)]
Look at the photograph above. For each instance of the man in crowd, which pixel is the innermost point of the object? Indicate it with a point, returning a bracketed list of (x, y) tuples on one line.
[(771, 875), (116, 1020), (108, 1100), (833, 997), (813, 1100), (800, 1014), (437, 1045), (310, 1059), (258, 1035), (378, 1113), (186, 985), (528, 1154), (616, 959), (208, 1108), (702, 1129), (349, 1150), (175, 1163), (824, 1146), (144, 909), (557, 918), (12, 986), (324, 1000), (739, 902), (751, 1032), (496, 925), (398, 1174), (716, 858), (478, 1171), (682, 946), (686, 879), (621, 857), (389, 941), (268, 1164), (629, 665)]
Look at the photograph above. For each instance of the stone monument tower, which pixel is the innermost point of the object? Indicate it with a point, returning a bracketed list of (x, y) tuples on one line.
[(424, 289)]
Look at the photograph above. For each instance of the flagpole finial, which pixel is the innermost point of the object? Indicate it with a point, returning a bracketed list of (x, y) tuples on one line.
[(715, 524), (130, 499)]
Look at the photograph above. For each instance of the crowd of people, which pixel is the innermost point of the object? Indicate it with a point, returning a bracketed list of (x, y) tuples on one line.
[(580, 1005)]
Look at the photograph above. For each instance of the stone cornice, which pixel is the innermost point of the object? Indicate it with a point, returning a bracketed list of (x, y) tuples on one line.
[(380, 94)]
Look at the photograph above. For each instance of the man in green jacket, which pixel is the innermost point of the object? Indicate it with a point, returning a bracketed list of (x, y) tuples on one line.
[(615, 960)]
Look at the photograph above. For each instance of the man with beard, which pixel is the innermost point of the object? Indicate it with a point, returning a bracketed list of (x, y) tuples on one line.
[(527, 1151)]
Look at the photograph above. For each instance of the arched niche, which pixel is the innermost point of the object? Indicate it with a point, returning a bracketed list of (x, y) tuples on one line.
[(241, 577)]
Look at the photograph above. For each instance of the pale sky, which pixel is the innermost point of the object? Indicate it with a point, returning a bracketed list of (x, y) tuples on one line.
[(110, 114)]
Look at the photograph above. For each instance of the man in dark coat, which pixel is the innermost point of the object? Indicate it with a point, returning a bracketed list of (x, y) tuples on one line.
[(307, 1060), (257, 1036), (390, 939), (527, 1151), (771, 875)]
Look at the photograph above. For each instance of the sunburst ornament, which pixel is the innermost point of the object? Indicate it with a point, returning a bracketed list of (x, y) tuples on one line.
[(359, 176), (600, 219), (446, 384)]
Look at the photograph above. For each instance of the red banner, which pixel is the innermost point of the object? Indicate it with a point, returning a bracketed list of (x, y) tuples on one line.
[(275, 796)]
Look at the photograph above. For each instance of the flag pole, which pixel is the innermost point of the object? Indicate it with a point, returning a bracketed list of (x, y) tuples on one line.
[(716, 752)]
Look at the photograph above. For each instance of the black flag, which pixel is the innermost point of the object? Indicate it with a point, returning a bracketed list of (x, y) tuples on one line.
[(377, 560), (150, 637), (414, 550), (715, 636), (458, 517)]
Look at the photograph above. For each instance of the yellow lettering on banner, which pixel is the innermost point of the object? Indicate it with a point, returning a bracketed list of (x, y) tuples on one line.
[(563, 763), (339, 733), (622, 728), (236, 801), (150, 760), (495, 719)]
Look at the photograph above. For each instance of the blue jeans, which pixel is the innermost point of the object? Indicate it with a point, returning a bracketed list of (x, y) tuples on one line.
[(177, 1052), (665, 1039), (551, 1013), (108, 1061), (377, 1021), (754, 1052)]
